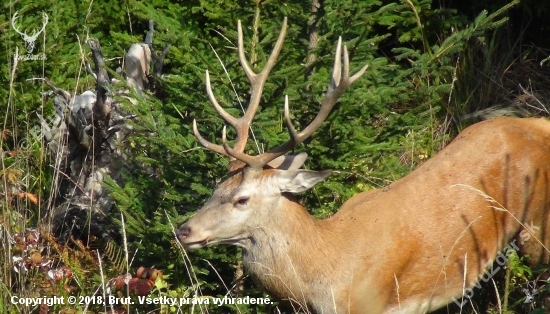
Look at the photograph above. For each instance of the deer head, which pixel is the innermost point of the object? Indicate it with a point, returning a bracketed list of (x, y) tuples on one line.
[(257, 184), (29, 40)]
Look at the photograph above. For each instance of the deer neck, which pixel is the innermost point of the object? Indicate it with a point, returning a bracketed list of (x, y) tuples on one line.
[(284, 255)]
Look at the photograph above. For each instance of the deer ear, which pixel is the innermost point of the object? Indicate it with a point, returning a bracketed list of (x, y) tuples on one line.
[(288, 162), (299, 180)]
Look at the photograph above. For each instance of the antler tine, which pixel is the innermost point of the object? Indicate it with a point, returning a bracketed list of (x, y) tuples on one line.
[(44, 23), (242, 58), (337, 67), (208, 145), (13, 19), (340, 81), (224, 114), (257, 81)]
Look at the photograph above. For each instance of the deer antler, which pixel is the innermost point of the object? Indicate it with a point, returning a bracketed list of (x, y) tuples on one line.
[(339, 83), (257, 81), (45, 20), (35, 34), (13, 19)]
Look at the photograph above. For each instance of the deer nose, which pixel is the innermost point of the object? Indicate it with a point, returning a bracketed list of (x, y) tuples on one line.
[(183, 232)]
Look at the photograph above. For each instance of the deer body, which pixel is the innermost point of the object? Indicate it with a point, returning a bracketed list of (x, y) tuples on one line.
[(407, 248), (432, 227)]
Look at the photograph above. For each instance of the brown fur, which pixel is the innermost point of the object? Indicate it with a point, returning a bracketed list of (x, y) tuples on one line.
[(403, 248)]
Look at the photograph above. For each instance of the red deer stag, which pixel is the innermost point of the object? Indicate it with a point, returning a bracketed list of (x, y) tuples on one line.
[(411, 247)]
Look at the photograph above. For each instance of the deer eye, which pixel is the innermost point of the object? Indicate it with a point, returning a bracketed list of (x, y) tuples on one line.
[(243, 200)]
